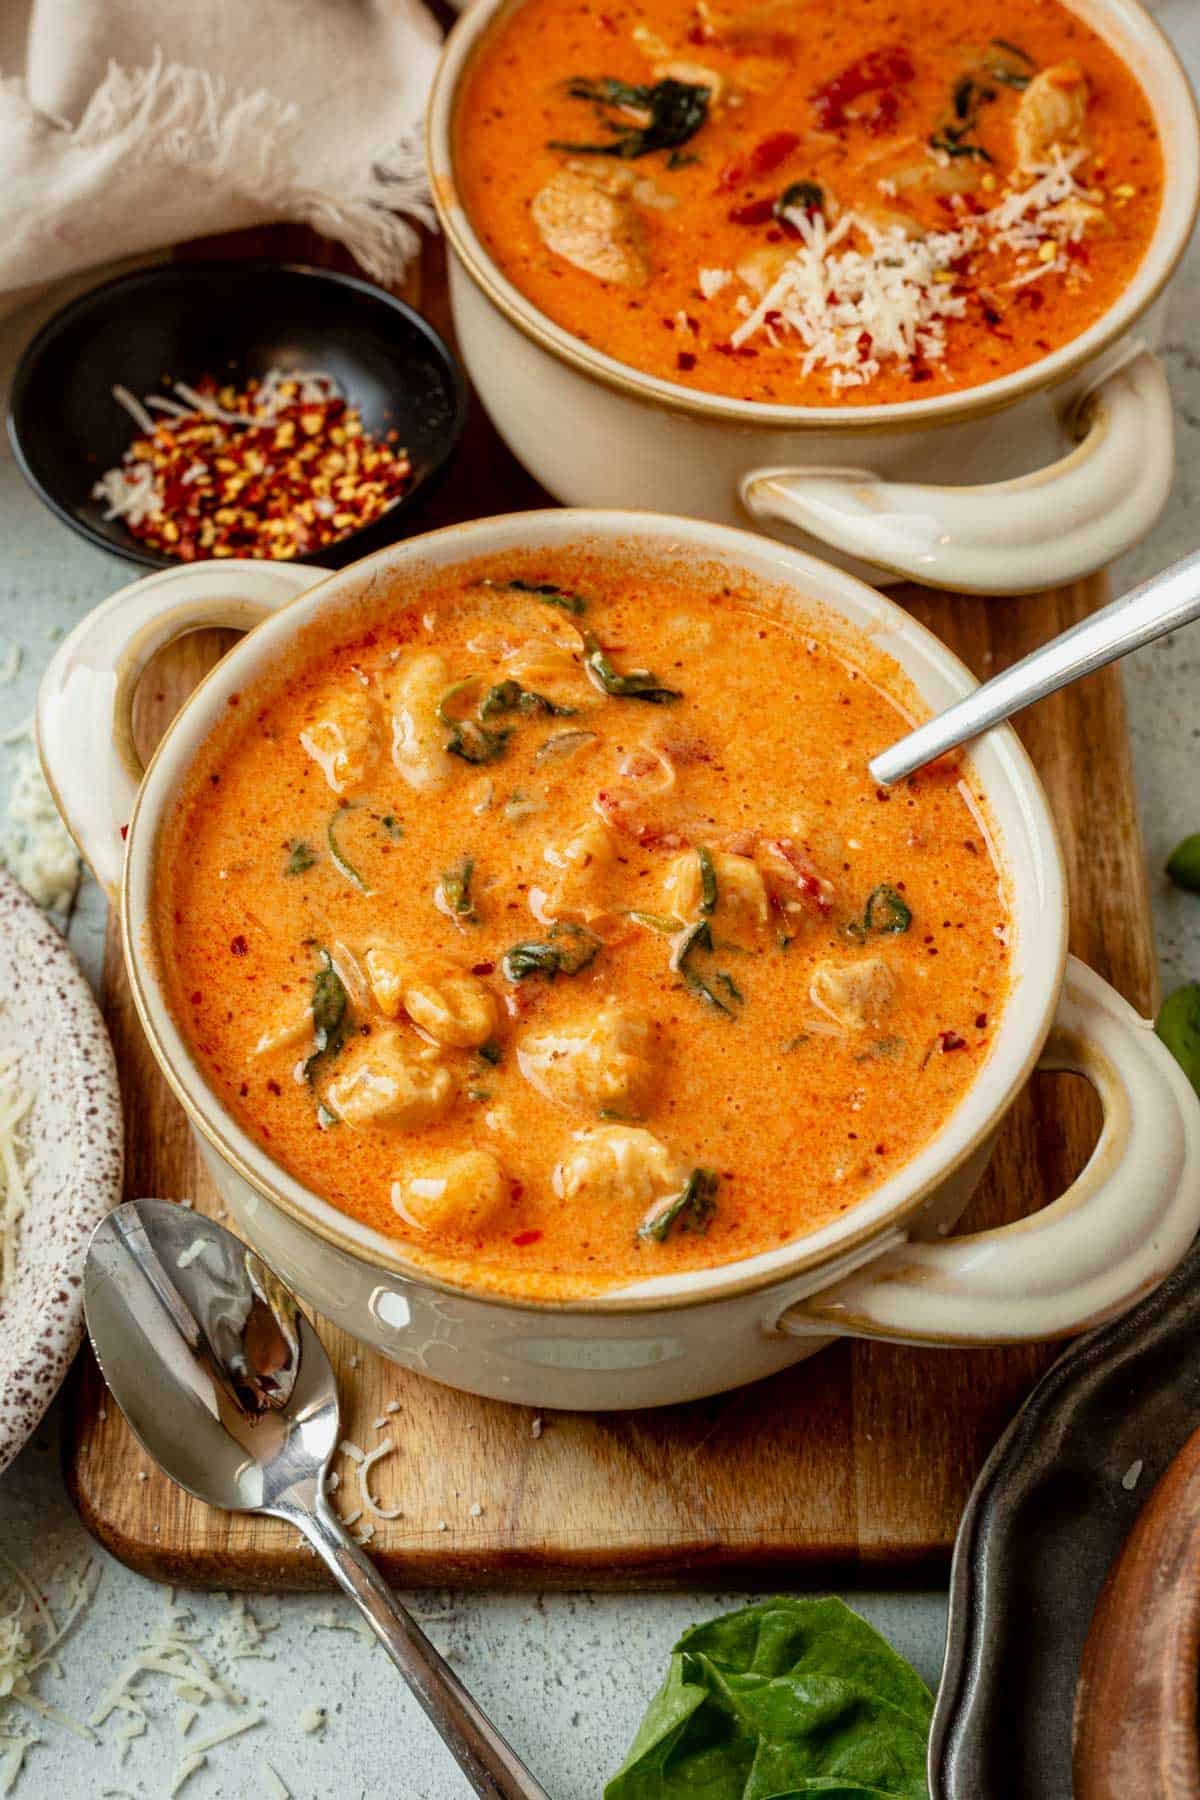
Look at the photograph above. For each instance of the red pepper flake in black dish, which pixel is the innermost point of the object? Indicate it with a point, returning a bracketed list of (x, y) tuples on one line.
[(279, 468)]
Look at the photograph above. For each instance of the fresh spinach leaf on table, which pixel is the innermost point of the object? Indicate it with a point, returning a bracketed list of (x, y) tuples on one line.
[(792, 1697)]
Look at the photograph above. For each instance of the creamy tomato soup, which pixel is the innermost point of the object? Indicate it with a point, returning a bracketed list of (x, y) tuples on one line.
[(805, 202), (543, 916)]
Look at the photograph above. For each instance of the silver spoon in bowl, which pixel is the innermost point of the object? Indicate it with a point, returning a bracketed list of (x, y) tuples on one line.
[(1159, 605), (226, 1384)]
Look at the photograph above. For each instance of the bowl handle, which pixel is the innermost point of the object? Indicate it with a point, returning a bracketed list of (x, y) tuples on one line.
[(1006, 537), (1116, 1232), (84, 714)]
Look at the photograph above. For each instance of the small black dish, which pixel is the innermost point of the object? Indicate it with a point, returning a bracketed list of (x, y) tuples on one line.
[(233, 319)]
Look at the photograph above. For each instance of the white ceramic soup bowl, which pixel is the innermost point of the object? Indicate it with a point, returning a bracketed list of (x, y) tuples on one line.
[(880, 1270), (1021, 483)]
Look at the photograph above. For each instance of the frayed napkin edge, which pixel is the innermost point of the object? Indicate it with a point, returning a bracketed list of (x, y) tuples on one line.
[(244, 140)]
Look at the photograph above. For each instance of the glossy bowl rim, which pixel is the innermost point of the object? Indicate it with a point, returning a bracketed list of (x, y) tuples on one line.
[(26, 373), (876, 1217), (1180, 139)]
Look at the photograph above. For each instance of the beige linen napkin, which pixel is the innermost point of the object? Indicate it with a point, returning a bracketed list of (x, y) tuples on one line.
[(126, 125)]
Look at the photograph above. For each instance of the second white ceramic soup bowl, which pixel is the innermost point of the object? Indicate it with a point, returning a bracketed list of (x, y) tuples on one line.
[(1038, 478), (881, 1270)]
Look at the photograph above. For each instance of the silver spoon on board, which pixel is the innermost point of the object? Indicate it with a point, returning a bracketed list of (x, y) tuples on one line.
[(1159, 605), (226, 1385)]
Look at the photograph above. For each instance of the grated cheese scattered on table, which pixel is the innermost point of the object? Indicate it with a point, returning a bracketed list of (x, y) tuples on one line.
[(224, 1732), (195, 1668), (14, 1748), (384, 1448), (275, 1788), (36, 848), (182, 1662), (30, 1637), (191, 1765)]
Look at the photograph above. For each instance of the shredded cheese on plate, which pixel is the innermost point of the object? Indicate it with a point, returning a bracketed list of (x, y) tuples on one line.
[(16, 1166)]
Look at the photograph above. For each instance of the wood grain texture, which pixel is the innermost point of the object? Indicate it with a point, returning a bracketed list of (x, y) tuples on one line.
[(856, 1462), (1135, 1710)]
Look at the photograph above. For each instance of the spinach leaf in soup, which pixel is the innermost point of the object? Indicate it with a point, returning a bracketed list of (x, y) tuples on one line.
[(646, 118), (634, 684), (691, 1208), (666, 924), (545, 591), (301, 857), (330, 1004), (453, 893), (886, 914), (708, 881), (694, 943), (956, 136), (1008, 64), (468, 739), (801, 196), (478, 742), (340, 860), (510, 696), (567, 949), (794, 1696)]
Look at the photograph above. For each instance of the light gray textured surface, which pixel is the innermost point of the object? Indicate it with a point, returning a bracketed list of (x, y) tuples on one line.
[(565, 1676)]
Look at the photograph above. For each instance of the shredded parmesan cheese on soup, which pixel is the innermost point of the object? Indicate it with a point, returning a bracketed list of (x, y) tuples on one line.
[(861, 305), (1027, 216), (858, 295)]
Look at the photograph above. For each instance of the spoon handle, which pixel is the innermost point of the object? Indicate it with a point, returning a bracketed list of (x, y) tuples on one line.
[(1150, 611), (490, 1764)]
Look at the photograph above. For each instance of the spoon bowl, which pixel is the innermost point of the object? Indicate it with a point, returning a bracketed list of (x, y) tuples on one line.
[(161, 1278), (225, 1383)]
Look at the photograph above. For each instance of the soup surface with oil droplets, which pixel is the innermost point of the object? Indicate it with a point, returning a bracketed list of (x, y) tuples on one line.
[(542, 915), (806, 203)]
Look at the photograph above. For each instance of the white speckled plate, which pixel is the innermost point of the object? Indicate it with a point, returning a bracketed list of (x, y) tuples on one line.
[(49, 1018)]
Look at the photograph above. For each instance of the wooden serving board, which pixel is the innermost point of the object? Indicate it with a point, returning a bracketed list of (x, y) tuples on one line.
[(857, 1462)]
